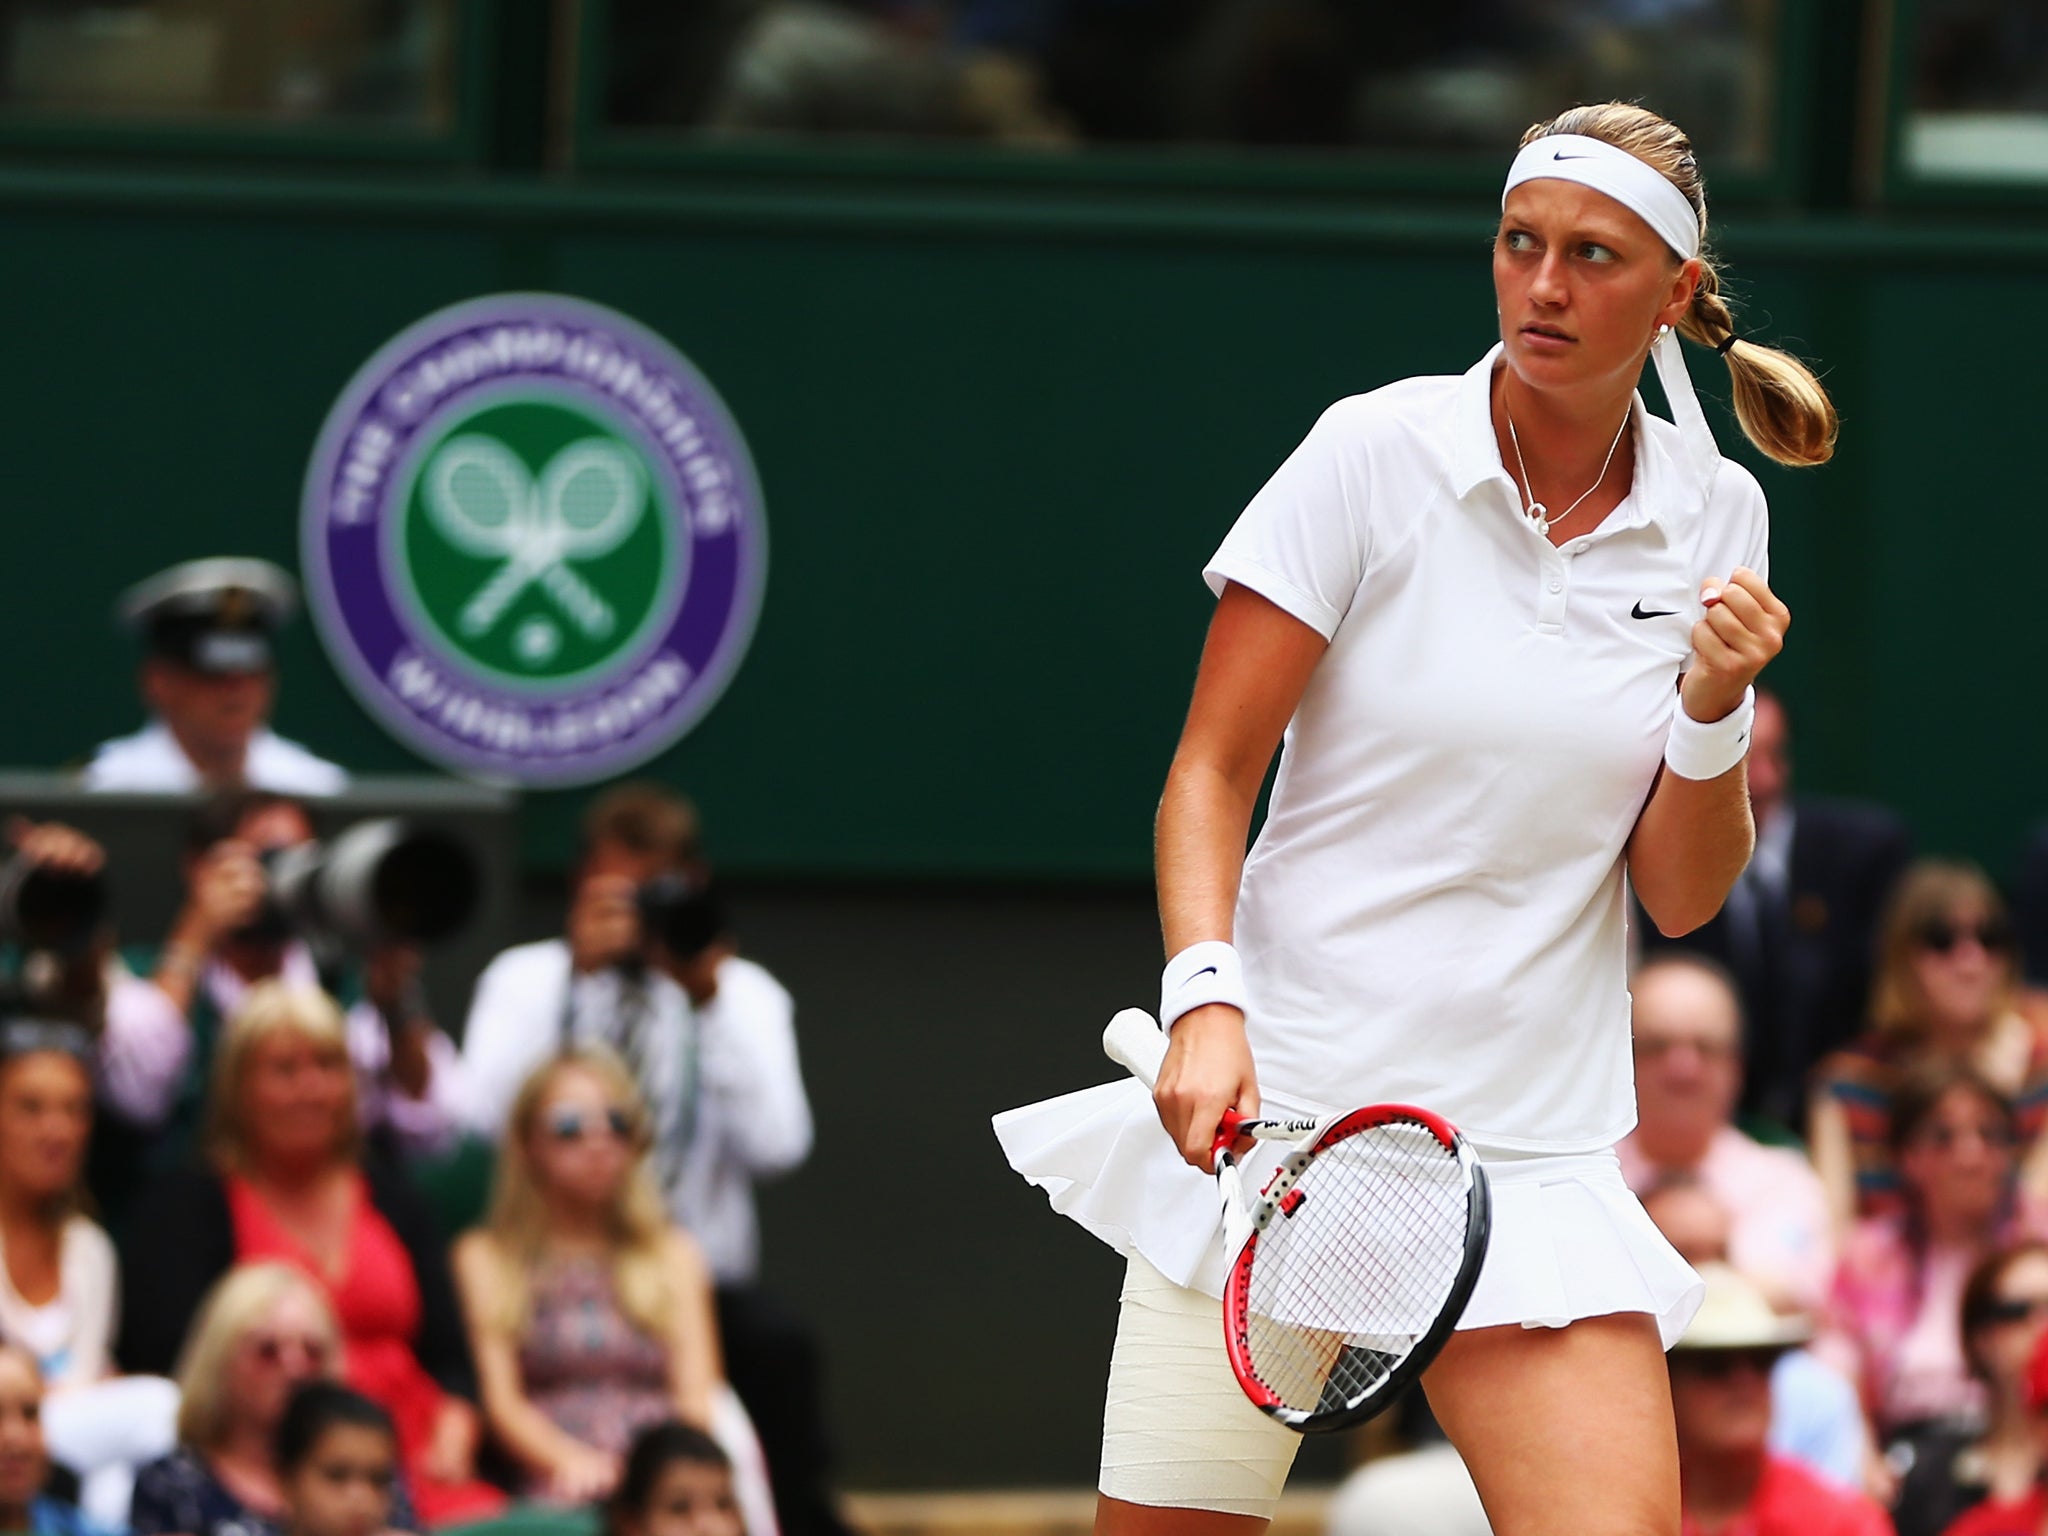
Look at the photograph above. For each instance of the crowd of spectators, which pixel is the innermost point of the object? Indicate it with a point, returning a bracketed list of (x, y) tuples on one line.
[(225, 1253), (1841, 1097)]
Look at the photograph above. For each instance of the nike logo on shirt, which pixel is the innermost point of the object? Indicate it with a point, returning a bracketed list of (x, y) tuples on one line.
[(1639, 611)]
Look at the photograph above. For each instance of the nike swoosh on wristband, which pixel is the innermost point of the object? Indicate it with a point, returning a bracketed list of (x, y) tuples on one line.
[(1207, 970), (1639, 611)]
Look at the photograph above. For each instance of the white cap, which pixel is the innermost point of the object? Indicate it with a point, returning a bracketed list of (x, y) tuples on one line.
[(1737, 1315)]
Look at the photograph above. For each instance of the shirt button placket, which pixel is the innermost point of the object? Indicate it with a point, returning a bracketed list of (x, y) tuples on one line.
[(1552, 591)]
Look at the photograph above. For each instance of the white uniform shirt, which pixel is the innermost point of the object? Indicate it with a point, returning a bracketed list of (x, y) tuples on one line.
[(1433, 912), (151, 762), (724, 1078)]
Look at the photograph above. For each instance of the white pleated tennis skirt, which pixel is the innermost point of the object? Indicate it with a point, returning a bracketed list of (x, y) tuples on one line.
[(1569, 1240)]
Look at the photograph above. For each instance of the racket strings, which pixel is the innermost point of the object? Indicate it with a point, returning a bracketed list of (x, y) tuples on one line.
[(1356, 1267)]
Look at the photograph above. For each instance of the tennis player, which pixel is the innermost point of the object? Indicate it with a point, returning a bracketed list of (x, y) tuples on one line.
[(1506, 625)]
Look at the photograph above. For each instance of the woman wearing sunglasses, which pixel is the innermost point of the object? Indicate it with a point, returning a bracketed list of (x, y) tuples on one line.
[(1944, 993), (1947, 1468), (1894, 1317), (262, 1332), (590, 1312)]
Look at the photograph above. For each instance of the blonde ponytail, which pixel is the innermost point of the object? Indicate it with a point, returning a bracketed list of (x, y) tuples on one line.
[(1780, 404)]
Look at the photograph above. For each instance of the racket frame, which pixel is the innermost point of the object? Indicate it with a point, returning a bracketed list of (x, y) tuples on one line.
[(1270, 1201)]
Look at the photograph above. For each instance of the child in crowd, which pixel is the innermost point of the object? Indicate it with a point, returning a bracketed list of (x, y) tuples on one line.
[(337, 1455), (676, 1482), (24, 1460)]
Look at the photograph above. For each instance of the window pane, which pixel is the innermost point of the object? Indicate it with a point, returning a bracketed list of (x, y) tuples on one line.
[(380, 63), (1979, 104), (1438, 76)]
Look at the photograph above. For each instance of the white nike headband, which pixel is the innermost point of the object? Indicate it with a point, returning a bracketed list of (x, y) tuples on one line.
[(1633, 183), (1646, 192)]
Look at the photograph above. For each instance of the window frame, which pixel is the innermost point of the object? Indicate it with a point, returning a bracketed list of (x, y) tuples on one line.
[(593, 146), (464, 143), (1898, 182)]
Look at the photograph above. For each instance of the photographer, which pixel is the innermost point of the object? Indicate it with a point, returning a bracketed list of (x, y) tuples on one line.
[(230, 934), (59, 948), (648, 969)]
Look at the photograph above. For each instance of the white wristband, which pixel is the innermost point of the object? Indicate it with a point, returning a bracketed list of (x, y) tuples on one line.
[(1201, 974), (1696, 750)]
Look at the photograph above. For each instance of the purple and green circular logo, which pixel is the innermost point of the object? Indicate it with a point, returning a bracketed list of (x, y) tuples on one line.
[(533, 540)]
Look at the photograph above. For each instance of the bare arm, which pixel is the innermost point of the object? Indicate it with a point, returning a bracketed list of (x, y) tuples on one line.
[(1694, 836), (1255, 665), (531, 1437), (694, 1366), (1834, 1158)]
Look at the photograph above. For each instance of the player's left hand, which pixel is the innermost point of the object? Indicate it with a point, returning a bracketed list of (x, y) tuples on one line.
[(1743, 629)]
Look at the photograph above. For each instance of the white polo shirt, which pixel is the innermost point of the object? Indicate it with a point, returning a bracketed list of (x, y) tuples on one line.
[(1434, 912)]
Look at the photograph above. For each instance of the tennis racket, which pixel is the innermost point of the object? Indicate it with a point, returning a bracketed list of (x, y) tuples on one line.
[(1352, 1266)]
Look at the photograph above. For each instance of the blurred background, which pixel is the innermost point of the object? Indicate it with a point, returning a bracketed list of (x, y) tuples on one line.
[(1016, 302)]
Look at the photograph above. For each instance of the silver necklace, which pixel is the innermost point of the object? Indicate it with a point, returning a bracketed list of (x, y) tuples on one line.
[(1539, 513)]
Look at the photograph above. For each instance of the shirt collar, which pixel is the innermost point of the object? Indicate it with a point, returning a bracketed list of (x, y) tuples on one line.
[(1659, 490)]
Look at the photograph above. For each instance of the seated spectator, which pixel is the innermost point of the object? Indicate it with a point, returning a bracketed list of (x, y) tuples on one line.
[(711, 1038), (24, 1459), (1728, 1479), (1946, 1468), (283, 1179), (1895, 1315), (263, 1331), (337, 1459), (57, 1268), (1688, 1039), (1945, 992), (590, 1312), (210, 681), (2025, 1514), (676, 1482), (1816, 1419), (228, 935)]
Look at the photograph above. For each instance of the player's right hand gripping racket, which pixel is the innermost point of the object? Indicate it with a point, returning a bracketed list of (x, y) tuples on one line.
[(1354, 1263)]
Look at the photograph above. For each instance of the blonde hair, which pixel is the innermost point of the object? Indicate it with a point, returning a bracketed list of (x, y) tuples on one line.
[(1930, 892), (271, 1008), (238, 1301), (1782, 407), (639, 1222)]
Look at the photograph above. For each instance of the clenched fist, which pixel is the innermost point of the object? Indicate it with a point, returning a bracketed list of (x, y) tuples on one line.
[(1743, 629)]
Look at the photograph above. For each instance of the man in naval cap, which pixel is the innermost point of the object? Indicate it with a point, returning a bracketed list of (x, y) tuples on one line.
[(209, 678)]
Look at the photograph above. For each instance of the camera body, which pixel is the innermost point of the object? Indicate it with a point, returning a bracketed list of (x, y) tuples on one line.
[(682, 912), (50, 911)]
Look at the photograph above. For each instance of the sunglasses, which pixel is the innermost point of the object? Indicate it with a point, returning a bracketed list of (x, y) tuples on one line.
[(1993, 935), (2005, 1310), (1720, 1364), (575, 1124), (1944, 1138), (270, 1348)]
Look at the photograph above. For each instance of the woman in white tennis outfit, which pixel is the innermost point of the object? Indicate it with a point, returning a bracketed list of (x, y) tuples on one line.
[(1508, 624)]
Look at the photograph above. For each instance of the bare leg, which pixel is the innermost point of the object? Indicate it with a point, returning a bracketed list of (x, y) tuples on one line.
[(1567, 1431), (1113, 1517)]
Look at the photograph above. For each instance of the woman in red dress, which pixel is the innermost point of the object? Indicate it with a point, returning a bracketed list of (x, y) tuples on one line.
[(285, 1179)]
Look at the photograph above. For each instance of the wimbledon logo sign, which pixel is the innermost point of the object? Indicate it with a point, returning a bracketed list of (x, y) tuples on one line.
[(533, 540)]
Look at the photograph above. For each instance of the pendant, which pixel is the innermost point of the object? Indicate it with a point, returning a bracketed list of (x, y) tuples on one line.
[(1539, 514)]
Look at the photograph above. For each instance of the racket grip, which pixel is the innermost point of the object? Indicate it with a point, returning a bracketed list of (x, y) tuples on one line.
[(1135, 1042)]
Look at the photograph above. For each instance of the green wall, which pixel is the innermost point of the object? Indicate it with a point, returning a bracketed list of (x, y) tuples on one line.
[(998, 437)]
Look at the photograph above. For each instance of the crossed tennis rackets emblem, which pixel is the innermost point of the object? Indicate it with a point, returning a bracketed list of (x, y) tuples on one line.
[(583, 505)]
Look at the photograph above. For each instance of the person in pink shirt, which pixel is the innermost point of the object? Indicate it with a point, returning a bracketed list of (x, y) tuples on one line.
[(1688, 1050), (1895, 1314)]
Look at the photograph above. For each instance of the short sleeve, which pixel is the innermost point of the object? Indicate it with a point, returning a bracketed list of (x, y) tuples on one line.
[(1301, 543)]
